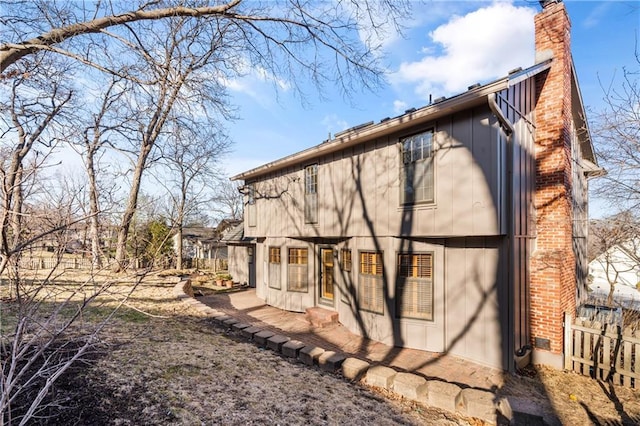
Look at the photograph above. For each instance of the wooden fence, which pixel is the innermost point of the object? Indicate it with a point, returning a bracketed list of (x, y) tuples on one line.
[(213, 264), (52, 262), (603, 352)]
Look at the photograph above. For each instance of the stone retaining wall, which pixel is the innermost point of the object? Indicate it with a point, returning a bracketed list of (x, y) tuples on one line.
[(468, 402)]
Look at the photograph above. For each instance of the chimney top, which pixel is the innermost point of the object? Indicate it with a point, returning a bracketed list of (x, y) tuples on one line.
[(547, 3)]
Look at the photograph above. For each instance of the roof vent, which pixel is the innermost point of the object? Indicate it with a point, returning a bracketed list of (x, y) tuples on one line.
[(438, 100), (515, 70), (407, 111), (473, 86)]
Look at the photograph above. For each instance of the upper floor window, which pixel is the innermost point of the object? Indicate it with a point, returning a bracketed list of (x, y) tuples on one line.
[(311, 194), (417, 168)]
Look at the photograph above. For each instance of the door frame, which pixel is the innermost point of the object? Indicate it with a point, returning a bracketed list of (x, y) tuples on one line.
[(321, 298)]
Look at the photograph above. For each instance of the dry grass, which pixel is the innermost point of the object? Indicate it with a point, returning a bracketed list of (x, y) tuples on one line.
[(174, 366), (162, 362)]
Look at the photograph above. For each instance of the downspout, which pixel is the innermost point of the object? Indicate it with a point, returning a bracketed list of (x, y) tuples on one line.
[(504, 122), (520, 356)]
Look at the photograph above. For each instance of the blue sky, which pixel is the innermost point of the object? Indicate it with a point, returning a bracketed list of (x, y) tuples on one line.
[(446, 47)]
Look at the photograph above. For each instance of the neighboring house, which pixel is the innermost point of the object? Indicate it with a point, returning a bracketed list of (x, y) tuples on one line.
[(620, 266), (197, 242), (204, 242), (458, 227)]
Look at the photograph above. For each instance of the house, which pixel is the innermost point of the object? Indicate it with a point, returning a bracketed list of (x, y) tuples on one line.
[(196, 242), (204, 243), (458, 227), (619, 265)]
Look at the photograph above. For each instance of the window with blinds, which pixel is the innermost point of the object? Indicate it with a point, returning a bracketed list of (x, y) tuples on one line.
[(297, 270), (414, 289), (275, 279), (370, 282), (417, 174), (274, 254), (345, 255)]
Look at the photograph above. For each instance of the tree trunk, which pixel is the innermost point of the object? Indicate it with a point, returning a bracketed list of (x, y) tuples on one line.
[(94, 209), (179, 248), (132, 204)]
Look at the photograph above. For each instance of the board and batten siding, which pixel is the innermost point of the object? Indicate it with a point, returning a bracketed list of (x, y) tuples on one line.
[(477, 300), (517, 103), (359, 188), (238, 261)]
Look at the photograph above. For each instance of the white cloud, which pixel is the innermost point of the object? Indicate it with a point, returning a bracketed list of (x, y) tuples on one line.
[(596, 15), (477, 47), (256, 82), (333, 123), (399, 107)]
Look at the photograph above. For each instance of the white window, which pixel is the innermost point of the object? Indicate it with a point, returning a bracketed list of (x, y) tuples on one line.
[(251, 205), (311, 194), (417, 168)]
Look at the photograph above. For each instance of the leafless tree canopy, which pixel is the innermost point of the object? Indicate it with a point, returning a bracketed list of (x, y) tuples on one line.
[(324, 41), (136, 87), (617, 135)]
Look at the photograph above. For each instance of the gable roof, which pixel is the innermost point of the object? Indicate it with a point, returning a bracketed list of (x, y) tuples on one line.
[(198, 233), (236, 235), (475, 96)]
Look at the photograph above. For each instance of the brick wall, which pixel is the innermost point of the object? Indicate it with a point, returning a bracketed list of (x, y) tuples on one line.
[(553, 263)]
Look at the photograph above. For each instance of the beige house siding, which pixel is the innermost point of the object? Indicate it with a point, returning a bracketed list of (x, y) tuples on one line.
[(238, 260), (359, 207), (477, 300), (359, 188)]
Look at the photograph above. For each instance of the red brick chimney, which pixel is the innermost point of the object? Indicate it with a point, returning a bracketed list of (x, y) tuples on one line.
[(553, 264)]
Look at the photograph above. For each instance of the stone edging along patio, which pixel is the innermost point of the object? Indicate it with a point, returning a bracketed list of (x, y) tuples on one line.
[(468, 402)]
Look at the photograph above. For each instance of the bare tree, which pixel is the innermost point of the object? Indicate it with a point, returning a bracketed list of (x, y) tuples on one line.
[(228, 200), (27, 114), (184, 44), (92, 143), (617, 140), (283, 39), (179, 87), (178, 56), (189, 170)]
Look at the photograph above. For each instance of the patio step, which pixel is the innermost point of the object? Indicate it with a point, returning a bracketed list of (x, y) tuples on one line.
[(320, 317)]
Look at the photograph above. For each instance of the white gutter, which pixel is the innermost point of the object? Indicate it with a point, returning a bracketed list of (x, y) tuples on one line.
[(423, 115)]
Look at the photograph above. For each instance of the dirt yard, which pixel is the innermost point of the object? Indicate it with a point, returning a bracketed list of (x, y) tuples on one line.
[(161, 362)]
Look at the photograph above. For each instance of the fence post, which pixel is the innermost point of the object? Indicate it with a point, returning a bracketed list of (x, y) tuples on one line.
[(568, 341)]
